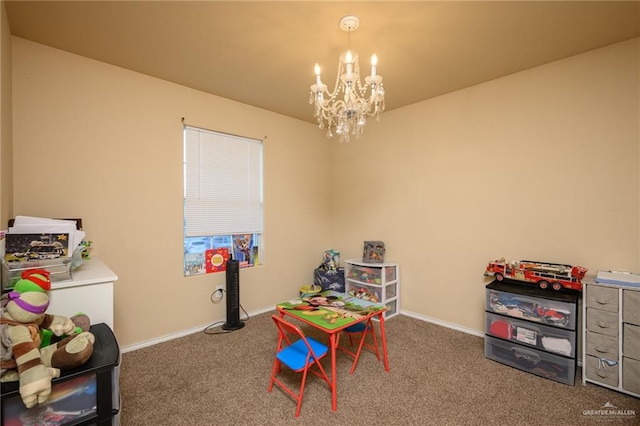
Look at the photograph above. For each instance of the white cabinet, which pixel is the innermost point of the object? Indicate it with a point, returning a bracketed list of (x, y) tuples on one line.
[(90, 292), (376, 282), (611, 341)]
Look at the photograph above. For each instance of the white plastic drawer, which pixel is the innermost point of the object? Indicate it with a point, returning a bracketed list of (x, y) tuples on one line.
[(363, 274), (550, 339), (364, 292), (390, 291), (531, 360), (545, 311), (392, 308), (369, 273), (390, 273)]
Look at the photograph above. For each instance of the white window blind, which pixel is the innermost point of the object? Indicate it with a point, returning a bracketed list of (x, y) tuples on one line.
[(223, 184)]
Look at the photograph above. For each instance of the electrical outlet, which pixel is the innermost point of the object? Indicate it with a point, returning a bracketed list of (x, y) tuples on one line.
[(219, 287)]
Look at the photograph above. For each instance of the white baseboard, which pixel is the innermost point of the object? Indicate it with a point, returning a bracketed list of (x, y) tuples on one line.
[(442, 323), (183, 333), (198, 329)]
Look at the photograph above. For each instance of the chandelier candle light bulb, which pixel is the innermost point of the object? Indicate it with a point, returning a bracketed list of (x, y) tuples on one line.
[(374, 62), (345, 109), (348, 59)]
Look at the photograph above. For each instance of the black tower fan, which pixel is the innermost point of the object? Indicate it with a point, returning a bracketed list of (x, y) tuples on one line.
[(233, 297)]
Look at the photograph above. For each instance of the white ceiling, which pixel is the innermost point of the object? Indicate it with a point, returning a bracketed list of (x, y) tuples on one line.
[(262, 53)]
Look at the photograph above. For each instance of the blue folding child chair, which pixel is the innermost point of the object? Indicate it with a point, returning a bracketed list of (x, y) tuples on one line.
[(300, 354)]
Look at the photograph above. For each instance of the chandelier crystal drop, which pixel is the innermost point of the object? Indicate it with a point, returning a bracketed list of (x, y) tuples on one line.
[(345, 109)]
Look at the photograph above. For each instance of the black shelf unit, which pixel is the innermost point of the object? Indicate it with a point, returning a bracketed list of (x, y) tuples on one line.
[(87, 395)]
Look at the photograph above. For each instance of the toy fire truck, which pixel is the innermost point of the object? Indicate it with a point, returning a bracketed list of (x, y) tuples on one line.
[(545, 275)]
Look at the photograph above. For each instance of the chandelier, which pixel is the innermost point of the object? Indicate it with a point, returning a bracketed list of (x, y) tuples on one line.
[(345, 109)]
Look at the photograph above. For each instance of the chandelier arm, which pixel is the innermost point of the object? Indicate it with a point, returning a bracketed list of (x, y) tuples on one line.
[(328, 113)]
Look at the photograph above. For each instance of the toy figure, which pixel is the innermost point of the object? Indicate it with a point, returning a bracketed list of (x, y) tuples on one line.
[(557, 276), (330, 260), (86, 248), (364, 294), (23, 317)]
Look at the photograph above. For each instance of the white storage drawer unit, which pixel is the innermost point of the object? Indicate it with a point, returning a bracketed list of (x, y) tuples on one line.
[(612, 336), (376, 282), (532, 329)]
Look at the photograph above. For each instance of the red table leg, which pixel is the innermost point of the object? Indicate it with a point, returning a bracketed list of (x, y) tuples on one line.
[(334, 397), (384, 341)]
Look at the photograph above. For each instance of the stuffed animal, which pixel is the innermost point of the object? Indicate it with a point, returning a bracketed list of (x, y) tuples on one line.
[(23, 317), (38, 280)]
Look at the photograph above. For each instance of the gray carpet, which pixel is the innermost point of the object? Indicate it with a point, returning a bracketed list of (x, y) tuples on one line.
[(437, 376)]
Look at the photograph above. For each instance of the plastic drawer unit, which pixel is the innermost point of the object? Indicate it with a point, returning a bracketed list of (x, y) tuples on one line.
[(532, 329), (375, 282)]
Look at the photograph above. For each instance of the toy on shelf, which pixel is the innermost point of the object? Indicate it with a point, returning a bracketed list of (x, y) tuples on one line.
[(545, 275), (366, 275), (330, 260), (86, 248), (30, 356), (373, 252), (522, 307), (364, 294), (330, 275)]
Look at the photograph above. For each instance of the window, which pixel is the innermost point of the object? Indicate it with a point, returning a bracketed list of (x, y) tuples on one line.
[(223, 206)]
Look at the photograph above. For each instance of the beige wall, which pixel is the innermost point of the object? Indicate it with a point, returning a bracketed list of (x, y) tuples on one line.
[(6, 156), (542, 164), (539, 165), (105, 144)]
